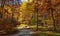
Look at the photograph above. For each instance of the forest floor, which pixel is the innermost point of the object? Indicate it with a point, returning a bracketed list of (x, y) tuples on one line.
[(33, 32), (26, 32), (47, 33)]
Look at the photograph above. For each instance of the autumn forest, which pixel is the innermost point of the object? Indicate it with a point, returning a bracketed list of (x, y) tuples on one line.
[(39, 16)]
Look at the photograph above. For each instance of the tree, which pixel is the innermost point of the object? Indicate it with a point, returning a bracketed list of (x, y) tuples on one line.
[(6, 25), (36, 12)]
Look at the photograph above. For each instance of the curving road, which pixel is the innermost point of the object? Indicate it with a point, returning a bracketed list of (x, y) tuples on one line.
[(23, 33)]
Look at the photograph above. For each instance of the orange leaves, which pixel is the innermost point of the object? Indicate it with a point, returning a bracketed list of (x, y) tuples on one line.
[(55, 2)]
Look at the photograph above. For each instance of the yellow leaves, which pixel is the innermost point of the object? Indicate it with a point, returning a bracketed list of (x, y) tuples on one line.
[(15, 16), (9, 11), (22, 25), (21, 14), (30, 1), (49, 21), (23, 5), (17, 9), (8, 8), (22, 9), (20, 17)]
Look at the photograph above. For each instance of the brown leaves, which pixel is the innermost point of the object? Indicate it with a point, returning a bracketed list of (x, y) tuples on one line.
[(55, 2)]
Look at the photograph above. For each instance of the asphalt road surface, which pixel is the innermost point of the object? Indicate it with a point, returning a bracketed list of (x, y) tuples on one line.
[(22, 32)]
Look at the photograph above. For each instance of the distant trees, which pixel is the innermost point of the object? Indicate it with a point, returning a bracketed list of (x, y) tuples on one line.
[(38, 12), (49, 11), (6, 20)]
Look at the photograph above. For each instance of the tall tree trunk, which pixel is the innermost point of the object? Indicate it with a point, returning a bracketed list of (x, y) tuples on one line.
[(51, 10), (36, 12)]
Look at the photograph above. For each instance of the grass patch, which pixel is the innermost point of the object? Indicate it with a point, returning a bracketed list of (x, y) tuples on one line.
[(47, 34)]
